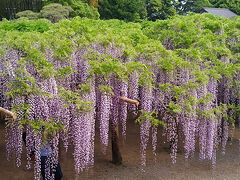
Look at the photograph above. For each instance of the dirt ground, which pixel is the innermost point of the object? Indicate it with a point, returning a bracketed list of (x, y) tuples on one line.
[(158, 168)]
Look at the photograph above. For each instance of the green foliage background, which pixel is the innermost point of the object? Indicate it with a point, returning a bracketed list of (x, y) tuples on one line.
[(196, 43), (117, 9)]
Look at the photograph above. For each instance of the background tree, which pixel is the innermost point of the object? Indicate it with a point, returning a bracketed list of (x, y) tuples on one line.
[(233, 5), (84, 10), (55, 12), (167, 9), (122, 9), (81, 7), (159, 9), (116, 9), (9, 8), (196, 5), (184, 6), (93, 3), (28, 14)]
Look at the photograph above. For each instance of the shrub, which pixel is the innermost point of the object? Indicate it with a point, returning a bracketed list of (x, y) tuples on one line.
[(28, 14), (55, 12), (84, 10), (23, 25)]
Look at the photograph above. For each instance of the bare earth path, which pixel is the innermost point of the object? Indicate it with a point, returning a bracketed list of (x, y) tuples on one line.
[(227, 168)]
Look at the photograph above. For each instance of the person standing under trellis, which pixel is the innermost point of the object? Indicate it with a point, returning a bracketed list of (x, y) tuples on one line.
[(45, 152)]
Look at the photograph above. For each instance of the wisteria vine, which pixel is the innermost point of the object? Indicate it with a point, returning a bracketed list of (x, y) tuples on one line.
[(62, 88)]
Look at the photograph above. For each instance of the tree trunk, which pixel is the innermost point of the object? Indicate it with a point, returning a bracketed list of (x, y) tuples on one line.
[(116, 154)]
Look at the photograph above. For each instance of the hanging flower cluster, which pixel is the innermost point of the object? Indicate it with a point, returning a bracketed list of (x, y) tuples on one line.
[(60, 87)]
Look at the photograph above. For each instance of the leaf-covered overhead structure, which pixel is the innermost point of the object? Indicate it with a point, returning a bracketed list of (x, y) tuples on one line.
[(60, 78)]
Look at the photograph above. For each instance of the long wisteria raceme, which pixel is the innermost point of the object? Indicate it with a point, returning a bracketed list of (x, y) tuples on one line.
[(207, 127), (98, 81), (65, 117), (190, 140), (104, 115), (47, 168), (45, 108), (54, 156), (211, 133), (30, 137), (171, 129), (183, 118), (11, 59), (18, 146), (226, 100), (7, 70), (238, 94), (103, 112), (3, 84), (212, 123), (29, 144), (223, 98), (41, 108), (154, 140), (37, 153), (172, 135), (14, 141), (115, 100), (158, 103), (231, 127), (82, 125), (81, 130), (123, 108), (53, 113), (202, 123), (224, 134), (53, 102), (186, 131), (10, 136), (78, 129), (133, 91), (82, 67), (45, 84), (65, 113), (146, 105), (212, 89), (92, 116), (74, 77)]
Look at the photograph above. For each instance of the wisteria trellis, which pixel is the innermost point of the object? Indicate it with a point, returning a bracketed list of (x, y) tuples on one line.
[(67, 97)]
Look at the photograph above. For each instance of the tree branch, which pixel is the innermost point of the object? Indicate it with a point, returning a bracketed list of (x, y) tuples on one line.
[(8, 113), (127, 100)]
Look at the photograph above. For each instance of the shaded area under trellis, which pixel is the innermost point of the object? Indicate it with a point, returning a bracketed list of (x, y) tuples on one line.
[(227, 166)]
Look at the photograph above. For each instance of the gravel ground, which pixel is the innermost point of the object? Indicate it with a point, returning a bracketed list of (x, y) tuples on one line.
[(158, 168)]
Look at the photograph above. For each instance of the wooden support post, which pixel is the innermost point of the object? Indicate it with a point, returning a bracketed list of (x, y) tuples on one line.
[(116, 154)]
